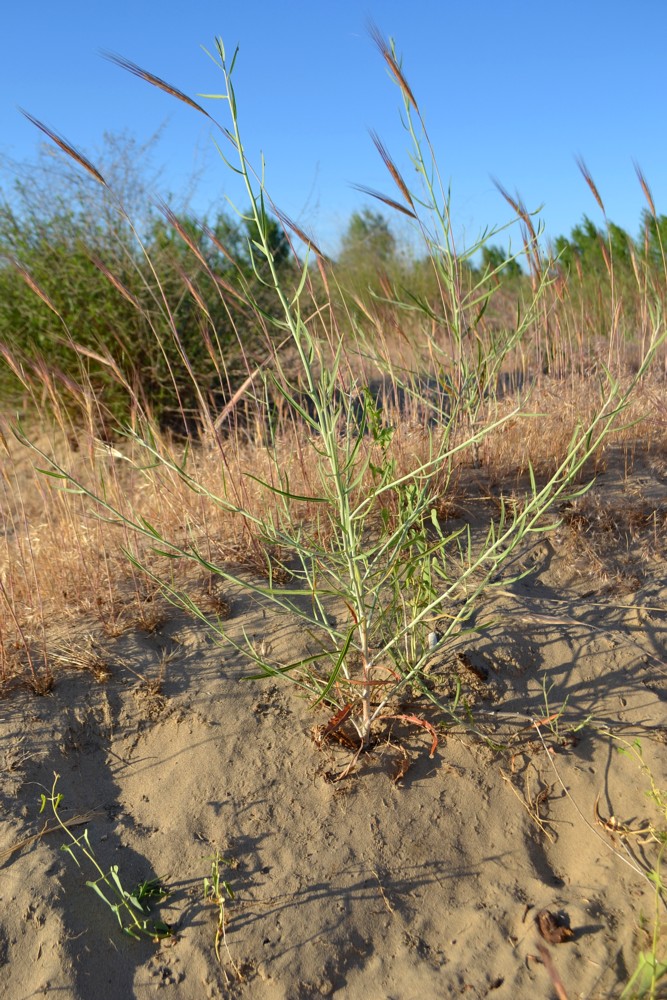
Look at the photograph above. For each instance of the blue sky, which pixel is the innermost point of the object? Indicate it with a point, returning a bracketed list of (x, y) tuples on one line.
[(513, 90)]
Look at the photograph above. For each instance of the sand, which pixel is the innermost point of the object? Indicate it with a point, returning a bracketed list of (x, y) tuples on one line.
[(382, 884)]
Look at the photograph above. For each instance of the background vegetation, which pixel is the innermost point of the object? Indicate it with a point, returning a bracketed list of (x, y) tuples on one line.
[(106, 301)]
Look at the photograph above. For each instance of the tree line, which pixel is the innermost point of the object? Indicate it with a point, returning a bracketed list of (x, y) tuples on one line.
[(79, 290)]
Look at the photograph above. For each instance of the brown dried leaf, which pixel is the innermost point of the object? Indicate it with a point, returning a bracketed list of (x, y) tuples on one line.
[(401, 766), (553, 927), (415, 720), (333, 731), (336, 721)]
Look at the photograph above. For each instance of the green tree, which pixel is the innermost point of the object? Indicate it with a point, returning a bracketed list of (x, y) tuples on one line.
[(652, 240), (591, 246), (494, 258), (368, 263), (76, 285), (368, 237)]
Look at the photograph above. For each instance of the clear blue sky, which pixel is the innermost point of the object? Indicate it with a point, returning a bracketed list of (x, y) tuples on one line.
[(512, 89)]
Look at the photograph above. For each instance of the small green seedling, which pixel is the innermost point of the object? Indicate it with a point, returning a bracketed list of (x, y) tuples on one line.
[(554, 718), (644, 981), (132, 909), (217, 891)]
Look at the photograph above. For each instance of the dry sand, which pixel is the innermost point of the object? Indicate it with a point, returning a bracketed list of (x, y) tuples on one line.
[(365, 887)]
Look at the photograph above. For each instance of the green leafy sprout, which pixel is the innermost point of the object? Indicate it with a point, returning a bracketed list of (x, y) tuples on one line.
[(131, 909)]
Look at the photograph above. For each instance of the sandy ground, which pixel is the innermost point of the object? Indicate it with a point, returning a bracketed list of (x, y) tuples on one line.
[(367, 887)]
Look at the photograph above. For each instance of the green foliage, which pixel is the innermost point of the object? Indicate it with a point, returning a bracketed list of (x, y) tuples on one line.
[(267, 235), (368, 236), (495, 259), (371, 567), (600, 266), (131, 909), (593, 248), (652, 240), (85, 295), (368, 255)]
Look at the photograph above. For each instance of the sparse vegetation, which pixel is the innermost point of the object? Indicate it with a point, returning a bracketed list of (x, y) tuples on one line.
[(218, 892), (365, 448), (131, 909), (652, 963)]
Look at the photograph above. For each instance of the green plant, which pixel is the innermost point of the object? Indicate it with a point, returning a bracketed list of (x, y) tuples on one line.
[(83, 291), (554, 717), (132, 909), (650, 967), (369, 562), (655, 793), (652, 963)]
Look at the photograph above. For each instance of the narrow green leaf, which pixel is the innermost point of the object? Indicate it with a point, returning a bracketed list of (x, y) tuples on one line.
[(149, 527), (50, 472), (286, 493), (336, 670)]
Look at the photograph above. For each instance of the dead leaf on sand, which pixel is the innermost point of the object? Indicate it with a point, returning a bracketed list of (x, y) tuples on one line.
[(553, 927)]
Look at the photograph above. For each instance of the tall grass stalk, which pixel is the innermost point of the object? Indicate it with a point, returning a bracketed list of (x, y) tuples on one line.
[(358, 553)]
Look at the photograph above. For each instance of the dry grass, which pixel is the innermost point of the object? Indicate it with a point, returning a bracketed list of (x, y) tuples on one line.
[(63, 558), (60, 562)]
